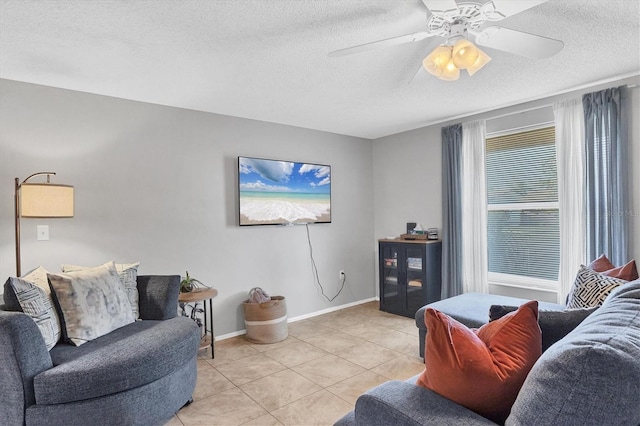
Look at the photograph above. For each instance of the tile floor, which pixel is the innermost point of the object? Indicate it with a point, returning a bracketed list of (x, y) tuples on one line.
[(312, 378)]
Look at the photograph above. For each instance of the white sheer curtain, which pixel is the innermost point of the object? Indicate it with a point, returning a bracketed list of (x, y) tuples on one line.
[(569, 120), (474, 208)]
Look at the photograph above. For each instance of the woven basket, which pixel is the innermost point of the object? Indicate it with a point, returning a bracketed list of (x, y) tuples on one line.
[(413, 236), (266, 322)]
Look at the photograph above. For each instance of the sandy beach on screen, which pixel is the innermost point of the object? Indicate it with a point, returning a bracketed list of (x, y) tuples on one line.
[(263, 211)]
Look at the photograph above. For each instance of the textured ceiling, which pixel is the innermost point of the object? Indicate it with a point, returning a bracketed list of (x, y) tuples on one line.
[(267, 59)]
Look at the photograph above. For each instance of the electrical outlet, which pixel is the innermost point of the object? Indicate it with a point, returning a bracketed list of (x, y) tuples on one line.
[(341, 274)]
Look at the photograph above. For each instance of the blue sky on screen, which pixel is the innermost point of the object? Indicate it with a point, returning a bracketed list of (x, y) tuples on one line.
[(283, 176)]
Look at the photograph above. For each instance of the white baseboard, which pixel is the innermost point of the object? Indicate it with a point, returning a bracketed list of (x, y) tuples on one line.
[(302, 317)]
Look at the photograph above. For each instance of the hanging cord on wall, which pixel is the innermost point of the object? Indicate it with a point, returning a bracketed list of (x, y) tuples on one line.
[(314, 271)]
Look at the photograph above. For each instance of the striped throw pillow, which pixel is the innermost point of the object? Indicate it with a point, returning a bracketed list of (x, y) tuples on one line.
[(33, 294)]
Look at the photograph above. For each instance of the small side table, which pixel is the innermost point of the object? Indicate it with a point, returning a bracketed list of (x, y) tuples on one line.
[(203, 295)]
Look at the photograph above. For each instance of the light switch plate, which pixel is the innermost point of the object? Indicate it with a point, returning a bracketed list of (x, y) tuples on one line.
[(43, 232)]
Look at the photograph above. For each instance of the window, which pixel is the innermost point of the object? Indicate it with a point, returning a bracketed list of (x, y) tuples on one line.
[(523, 234)]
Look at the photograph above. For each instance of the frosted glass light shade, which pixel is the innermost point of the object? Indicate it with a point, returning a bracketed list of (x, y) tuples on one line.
[(436, 62), (465, 54), (483, 59), (445, 62), (451, 72), (46, 200)]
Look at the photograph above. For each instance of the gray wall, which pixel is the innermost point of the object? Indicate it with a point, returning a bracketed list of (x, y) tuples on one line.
[(408, 173), (158, 185)]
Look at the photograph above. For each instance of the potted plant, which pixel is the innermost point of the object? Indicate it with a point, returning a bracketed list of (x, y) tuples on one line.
[(188, 284)]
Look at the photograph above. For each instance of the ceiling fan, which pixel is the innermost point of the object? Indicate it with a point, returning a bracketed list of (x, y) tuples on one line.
[(456, 22)]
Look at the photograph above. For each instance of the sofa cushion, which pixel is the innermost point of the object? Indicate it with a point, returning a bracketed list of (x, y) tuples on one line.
[(128, 273), (402, 403), (131, 356), (554, 324), (481, 369), (592, 376), (591, 288), (93, 302)]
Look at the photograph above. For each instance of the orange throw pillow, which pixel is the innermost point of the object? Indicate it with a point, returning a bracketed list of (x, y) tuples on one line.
[(481, 369), (603, 265)]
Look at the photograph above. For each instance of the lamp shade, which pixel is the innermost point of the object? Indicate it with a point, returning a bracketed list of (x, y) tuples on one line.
[(482, 60), (450, 72), (465, 54), (46, 200), (436, 62)]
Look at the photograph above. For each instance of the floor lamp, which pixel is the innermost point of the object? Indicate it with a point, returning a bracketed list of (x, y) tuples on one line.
[(40, 200)]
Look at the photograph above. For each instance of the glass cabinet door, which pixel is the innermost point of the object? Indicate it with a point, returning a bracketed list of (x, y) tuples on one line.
[(390, 295), (415, 278)]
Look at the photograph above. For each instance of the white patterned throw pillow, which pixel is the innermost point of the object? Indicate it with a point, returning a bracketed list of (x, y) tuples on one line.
[(591, 288), (33, 294), (93, 302), (128, 273)]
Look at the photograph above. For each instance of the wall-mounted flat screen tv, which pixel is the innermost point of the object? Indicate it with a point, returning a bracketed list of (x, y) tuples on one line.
[(274, 192)]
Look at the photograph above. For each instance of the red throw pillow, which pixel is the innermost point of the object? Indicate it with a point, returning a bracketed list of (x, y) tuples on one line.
[(627, 272), (481, 369), (603, 265)]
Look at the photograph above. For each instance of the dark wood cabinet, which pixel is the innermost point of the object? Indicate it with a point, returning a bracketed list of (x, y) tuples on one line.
[(410, 275)]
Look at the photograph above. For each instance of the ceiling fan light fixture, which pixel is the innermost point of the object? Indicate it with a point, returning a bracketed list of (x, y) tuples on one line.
[(465, 54), (450, 72), (482, 60), (438, 60)]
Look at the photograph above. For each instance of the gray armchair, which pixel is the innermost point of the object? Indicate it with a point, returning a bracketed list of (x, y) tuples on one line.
[(141, 373)]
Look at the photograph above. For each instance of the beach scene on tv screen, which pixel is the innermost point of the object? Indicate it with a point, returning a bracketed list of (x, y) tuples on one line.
[(282, 192)]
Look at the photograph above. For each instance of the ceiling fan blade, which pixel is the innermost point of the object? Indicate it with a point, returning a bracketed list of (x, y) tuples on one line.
[(441, 6), (419, 72), (409, 38), (518, 42), (496, 10)]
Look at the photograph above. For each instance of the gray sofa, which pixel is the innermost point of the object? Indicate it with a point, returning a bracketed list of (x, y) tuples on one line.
[(139, 374), (589, 377)]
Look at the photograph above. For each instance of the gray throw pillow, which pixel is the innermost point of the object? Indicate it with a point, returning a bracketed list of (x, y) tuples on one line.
[(93, 302), (33, 294), (128, 273)]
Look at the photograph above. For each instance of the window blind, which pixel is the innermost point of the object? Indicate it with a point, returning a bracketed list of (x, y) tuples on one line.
[(521, 168), (523, 229)]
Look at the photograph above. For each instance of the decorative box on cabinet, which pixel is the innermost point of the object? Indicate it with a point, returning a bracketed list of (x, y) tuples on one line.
[(410, 275)]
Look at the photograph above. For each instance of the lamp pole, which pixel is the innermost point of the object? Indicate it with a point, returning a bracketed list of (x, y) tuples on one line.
[(16, 199)]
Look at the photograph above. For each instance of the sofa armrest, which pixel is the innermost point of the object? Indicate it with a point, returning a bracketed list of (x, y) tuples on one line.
[(158, 296), (24, 355), (402, 403)]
